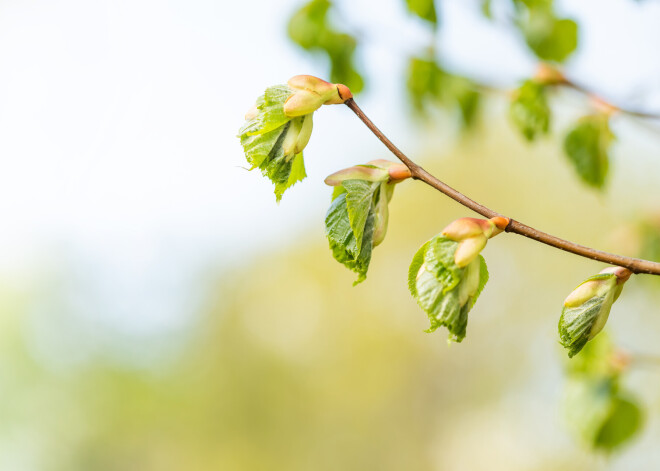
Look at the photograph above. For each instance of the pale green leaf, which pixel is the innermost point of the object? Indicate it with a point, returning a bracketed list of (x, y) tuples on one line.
[(270, 108)]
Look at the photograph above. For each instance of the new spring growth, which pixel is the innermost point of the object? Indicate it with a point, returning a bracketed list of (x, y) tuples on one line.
[(310, 93), (381, 171), (472, 234), (278, 127), (587, 308)]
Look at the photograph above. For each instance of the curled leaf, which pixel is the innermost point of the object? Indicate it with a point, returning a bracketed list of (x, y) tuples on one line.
[(587, 308), (358, 216), (445, 291)]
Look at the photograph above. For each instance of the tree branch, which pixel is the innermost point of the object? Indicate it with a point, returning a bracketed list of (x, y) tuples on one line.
[(635, 265)]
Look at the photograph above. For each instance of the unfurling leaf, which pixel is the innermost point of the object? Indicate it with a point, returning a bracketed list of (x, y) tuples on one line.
[(529, 109), (587, 146), (587, 308), (357, 219), (430, 85), (447, 274), (279, 126), (549, 37), (312, 30), (425, 9)]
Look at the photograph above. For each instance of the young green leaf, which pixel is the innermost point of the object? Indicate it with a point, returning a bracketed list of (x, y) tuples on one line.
[(587, 308), (311, 28), (344, 245), (529, 109), (425, 9), (357, 219), (279, 126), (549, 37), (359, 202), (445, 291), (587, 146)]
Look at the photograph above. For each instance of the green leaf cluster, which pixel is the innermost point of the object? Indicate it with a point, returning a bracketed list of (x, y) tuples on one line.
[(529, 109), (270, 140), (587, 147), (425, 9), (311, 28), (443, 290), (356, 222), (429, 85), (550, 38), (598, 411)]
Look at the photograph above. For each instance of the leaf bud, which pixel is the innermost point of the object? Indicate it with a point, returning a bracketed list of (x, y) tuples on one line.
[(310, 93), (587, 308), (472, 234)]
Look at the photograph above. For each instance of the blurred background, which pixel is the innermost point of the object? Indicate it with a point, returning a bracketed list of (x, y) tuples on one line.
[(159, 311)]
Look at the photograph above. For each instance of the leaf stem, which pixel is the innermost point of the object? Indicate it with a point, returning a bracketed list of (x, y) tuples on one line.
[(635, 265)]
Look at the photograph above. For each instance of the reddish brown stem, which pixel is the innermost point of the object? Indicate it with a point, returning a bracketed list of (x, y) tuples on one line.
[(635, 265)]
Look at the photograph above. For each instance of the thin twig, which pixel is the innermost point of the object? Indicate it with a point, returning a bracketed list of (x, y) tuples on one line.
[(622, 109), (635, 265)]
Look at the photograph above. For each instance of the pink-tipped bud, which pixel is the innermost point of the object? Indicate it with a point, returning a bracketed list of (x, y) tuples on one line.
[(472, 234), (310, 93), (465, 228), (342, 95), (622, 274), (399, 172)]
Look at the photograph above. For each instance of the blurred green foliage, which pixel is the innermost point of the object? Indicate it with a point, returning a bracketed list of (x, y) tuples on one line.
[(529, 109), (287, 367), (429, 86), (425, 9), (598, 411), (311, 28), (549, 37), (587, 147)]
